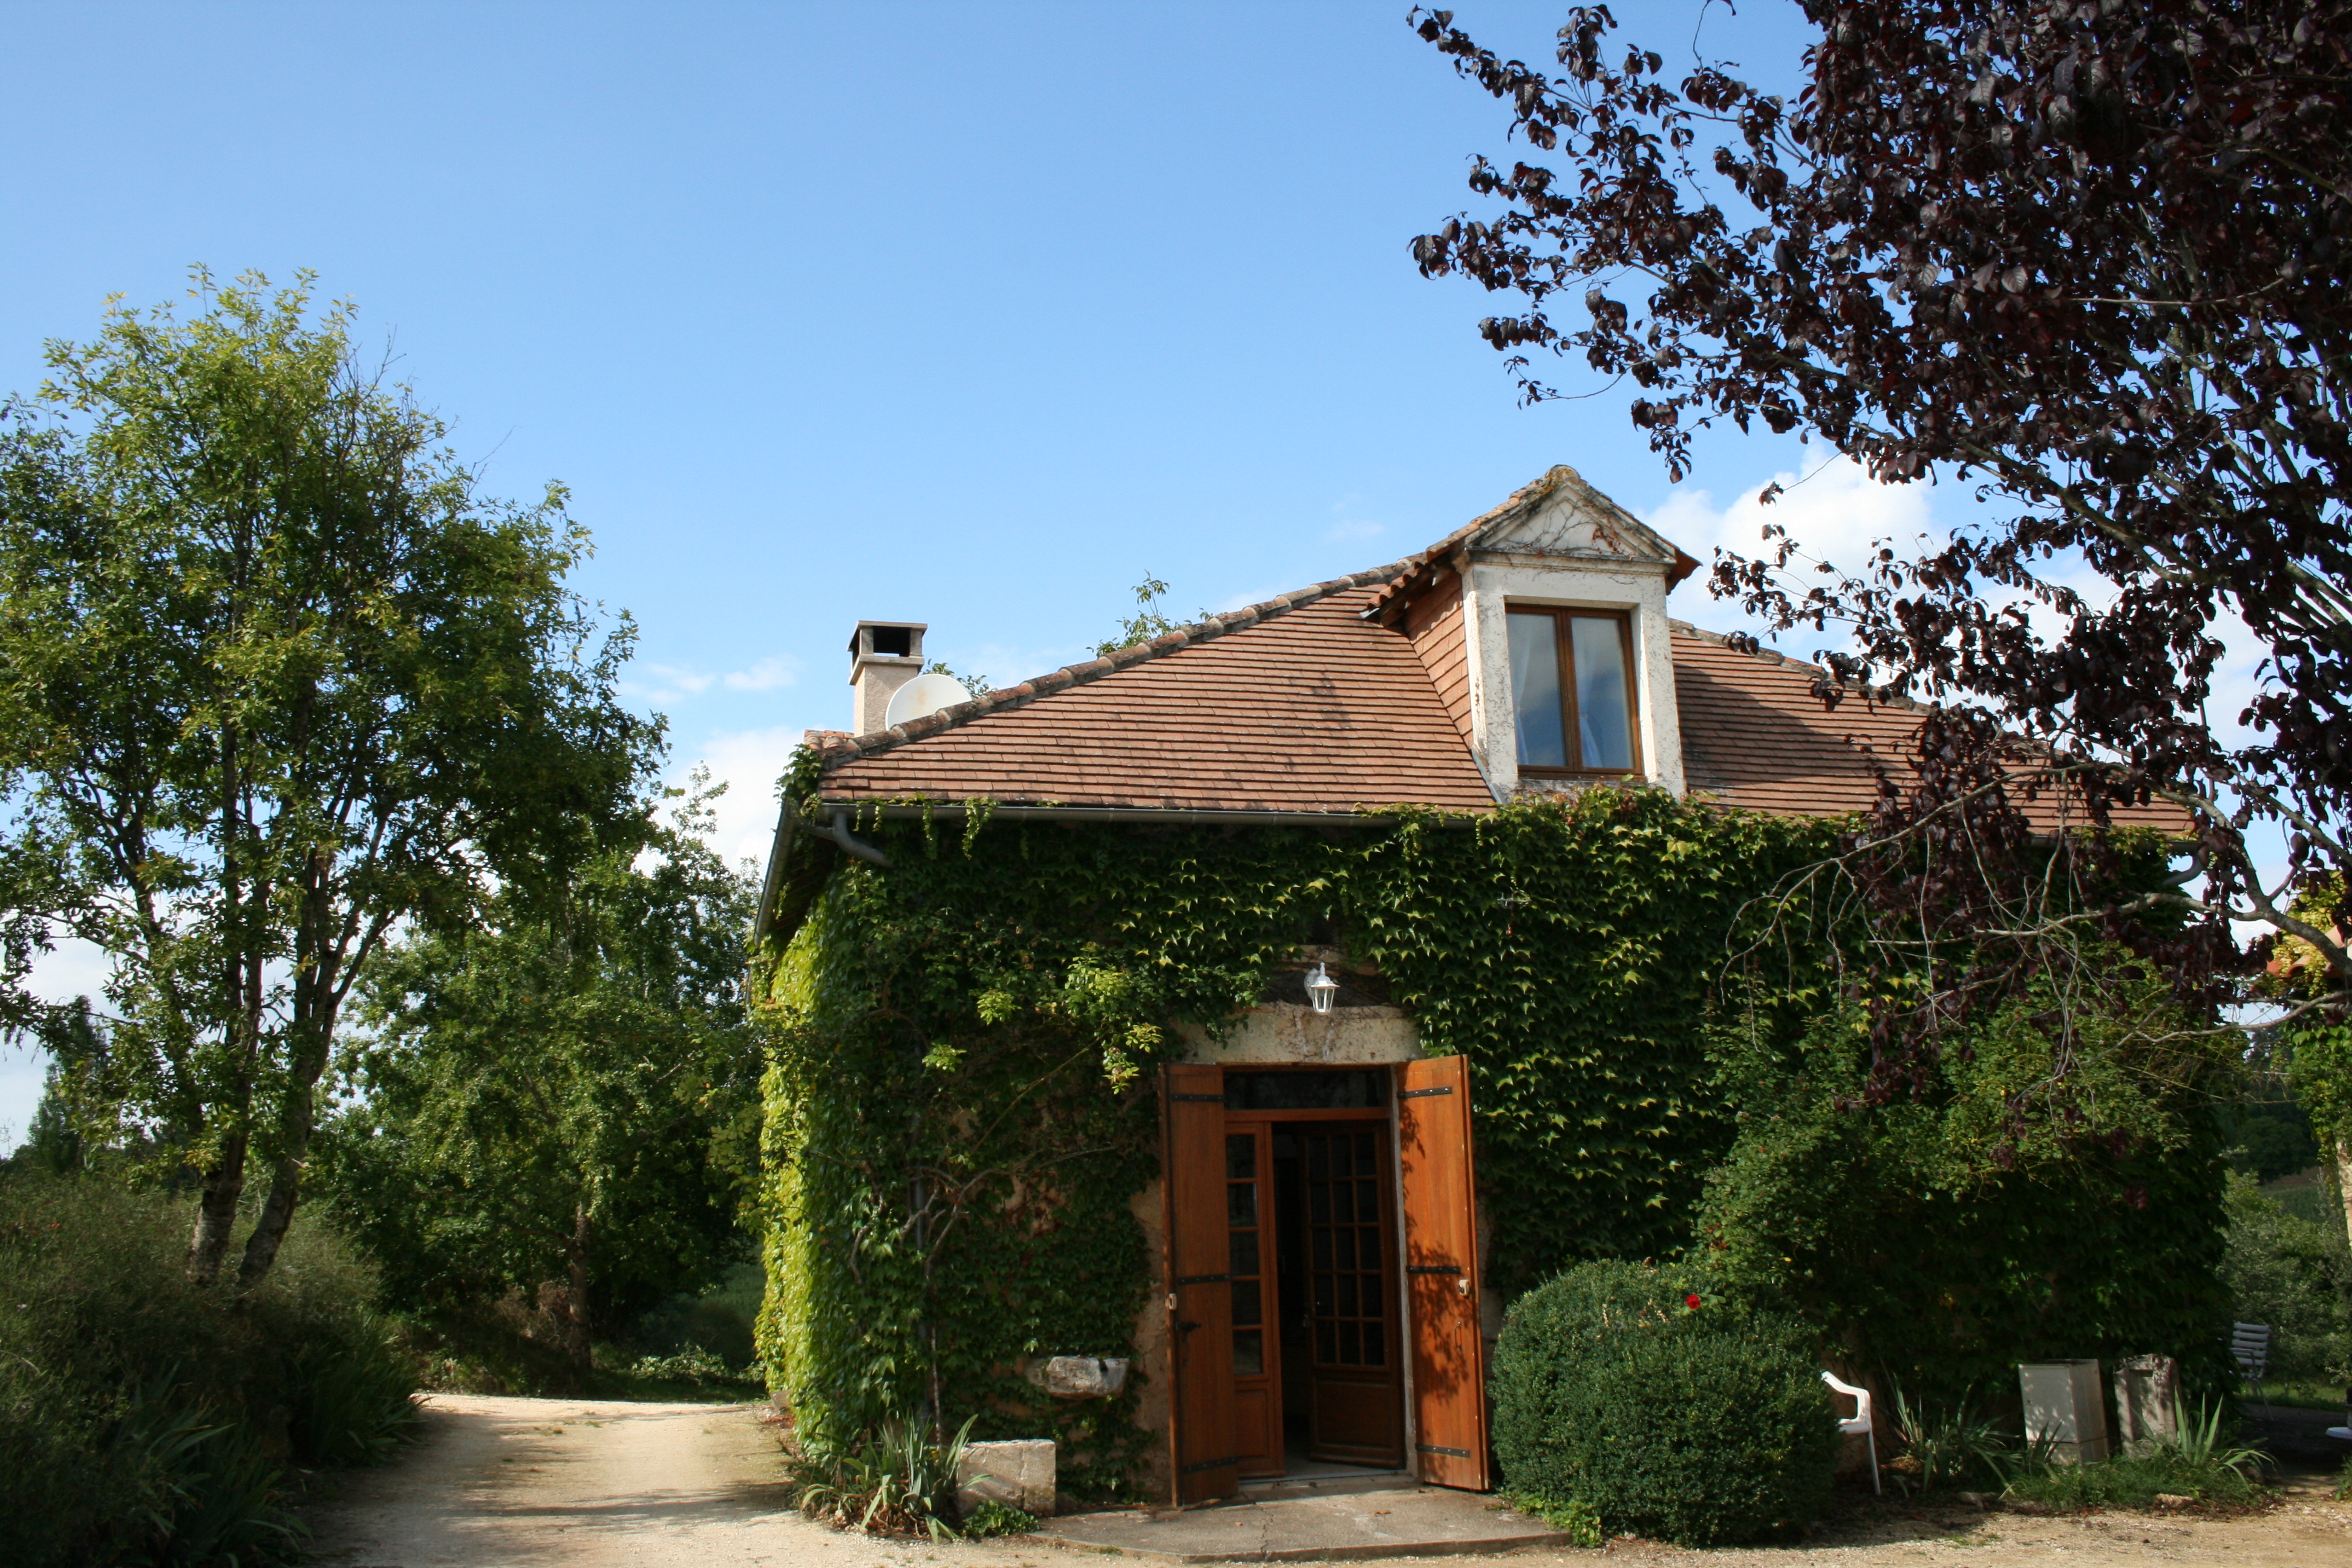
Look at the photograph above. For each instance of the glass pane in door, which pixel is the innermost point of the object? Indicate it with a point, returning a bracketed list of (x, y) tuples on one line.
[(1244, 1245), (1343, 1222)]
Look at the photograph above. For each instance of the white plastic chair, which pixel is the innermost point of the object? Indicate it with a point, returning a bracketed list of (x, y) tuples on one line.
[(1859, 1423), (2251, 1344)]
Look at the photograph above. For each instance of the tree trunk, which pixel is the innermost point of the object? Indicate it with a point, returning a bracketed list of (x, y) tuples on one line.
[(285, 1188), (217, 1212), (2343, 1180), (575, 1323), (269, 1230)]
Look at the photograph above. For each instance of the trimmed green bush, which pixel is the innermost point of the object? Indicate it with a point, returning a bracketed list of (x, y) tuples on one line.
[(1699, 1425)]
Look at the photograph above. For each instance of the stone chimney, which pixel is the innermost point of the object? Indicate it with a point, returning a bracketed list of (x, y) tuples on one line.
[(883, 656)]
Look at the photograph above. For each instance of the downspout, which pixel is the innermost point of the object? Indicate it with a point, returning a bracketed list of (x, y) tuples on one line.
[(836, 830)]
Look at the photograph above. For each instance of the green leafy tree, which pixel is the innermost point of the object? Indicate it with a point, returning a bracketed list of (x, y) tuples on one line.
[(2317, 1037), (1147, 622), (2043, 1188), (274, 678), (561, 1097)]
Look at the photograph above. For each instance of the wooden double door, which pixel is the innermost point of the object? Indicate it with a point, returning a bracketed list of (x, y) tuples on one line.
[(1322, 1263)]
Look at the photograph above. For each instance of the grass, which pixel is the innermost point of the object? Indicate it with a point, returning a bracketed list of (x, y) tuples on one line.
[(2301, 1393), (2199, 1464)]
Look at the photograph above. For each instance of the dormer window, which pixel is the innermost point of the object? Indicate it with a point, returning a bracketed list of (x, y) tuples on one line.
[(1572, 690)]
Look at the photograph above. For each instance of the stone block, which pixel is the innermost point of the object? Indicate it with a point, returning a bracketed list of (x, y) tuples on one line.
[(1017, 1472), (2147, 1397), (1080, 1376)]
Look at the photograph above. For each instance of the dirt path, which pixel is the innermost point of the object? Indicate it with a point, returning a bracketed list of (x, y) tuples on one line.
[(496, 1481), (500, 1482)]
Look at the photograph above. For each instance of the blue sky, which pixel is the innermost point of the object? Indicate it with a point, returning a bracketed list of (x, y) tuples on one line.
[(956, 313)]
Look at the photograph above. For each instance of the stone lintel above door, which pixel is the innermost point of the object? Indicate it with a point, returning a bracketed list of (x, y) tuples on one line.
[(1285, 1033)]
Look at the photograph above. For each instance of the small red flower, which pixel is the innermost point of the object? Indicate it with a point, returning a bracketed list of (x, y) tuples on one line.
[(1692, 1302)]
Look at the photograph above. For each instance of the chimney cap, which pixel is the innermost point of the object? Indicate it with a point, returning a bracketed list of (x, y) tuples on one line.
[(862, 642)]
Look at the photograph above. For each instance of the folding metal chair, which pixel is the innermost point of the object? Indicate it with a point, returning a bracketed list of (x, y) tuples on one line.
[(2251, 1344)]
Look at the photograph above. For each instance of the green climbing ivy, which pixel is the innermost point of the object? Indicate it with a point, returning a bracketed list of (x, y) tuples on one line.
[(960, 1116)]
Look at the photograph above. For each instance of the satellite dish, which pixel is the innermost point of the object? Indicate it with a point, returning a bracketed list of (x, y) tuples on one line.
[(923, 696)]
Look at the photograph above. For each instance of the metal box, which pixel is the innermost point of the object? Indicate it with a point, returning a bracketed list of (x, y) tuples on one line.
[(2066, 1408)]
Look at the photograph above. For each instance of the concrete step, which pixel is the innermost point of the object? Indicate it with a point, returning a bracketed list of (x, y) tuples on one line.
[(1356, 1525)]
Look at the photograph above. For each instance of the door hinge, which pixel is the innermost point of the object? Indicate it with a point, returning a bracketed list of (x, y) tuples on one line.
[(1208, 1099), (1434, 1448), (1434, 1269), (1424, 1093), (1197, 1466), (1204, 1278)]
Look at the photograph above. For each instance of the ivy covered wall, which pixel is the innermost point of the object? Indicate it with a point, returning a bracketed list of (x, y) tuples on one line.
[(960, 1112)]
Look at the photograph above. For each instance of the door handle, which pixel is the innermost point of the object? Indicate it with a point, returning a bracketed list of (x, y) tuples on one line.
[(1462, 1285)]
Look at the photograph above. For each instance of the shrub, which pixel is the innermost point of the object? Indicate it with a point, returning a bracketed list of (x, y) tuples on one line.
[(143, 1418), (1936, 1446), (1618, 1386), (893, 1481)]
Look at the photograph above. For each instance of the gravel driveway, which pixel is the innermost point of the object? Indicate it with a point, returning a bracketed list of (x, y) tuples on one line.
[(499, 1483)]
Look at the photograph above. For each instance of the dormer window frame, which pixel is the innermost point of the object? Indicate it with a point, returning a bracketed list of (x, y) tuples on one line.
[(1564, 643)]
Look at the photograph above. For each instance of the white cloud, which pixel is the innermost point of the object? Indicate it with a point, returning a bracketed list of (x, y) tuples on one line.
[(749, 762), (674, 683), (1007, 664), (1835, 513), (68, 970), (765, 676), (667, 683), (1349, 529)]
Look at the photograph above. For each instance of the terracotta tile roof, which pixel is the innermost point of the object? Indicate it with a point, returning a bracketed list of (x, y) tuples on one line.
[(1300, 704), (1755, 737), (1354, 694)]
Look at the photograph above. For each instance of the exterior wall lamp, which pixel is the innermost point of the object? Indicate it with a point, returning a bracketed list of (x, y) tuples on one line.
[(1321, 990)]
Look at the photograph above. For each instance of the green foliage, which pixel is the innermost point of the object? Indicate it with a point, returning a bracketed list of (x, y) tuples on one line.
[(273, 679), (894, 1482), (1947, 1236), (147, 1418), (1576, 1519), (2268, 1135), (994, 1518), (1938, 1446), (2297, 1278), (931, 1224), (1700, 1424), (2317, 1045), (1573, 950), (2201, 1463), (1146, 622), (696, 1365), (559, 1098)]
